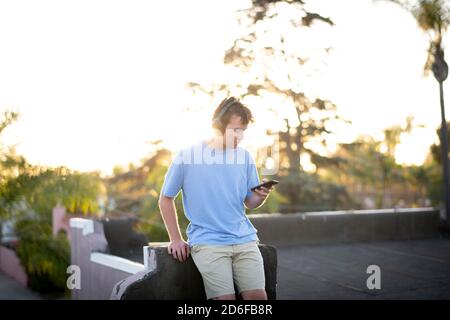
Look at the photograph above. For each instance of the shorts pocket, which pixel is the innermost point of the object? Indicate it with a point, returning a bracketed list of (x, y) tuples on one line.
[(194, 248), (197, 247)]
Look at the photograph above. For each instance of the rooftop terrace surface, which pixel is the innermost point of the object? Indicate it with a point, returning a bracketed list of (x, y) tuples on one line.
[(413, 269)]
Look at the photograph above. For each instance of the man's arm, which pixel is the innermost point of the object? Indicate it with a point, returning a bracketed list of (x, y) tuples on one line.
[(257, 198), (178, 248)]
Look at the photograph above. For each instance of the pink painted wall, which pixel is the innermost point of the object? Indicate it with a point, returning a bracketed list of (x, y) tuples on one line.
[(60, 221), (10, 265)]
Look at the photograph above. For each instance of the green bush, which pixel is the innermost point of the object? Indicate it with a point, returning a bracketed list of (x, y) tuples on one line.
[(44, 257)]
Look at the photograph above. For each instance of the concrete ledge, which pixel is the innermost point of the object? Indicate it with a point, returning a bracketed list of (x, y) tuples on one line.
[(169, 279), (164, 278), (347, 226), (86, 225), (98, 277), (117, 263)]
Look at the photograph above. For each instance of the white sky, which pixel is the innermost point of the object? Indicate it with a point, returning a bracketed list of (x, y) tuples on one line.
[(94, 80)]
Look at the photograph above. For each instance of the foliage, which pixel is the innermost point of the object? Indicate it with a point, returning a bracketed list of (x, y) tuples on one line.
[(28, 194), (44, 257), (433, 17)]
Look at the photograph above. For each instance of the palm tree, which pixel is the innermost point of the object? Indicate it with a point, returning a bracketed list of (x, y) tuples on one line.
[(433, 17)]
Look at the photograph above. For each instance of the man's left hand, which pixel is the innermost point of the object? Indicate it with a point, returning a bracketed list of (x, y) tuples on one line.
[(263, 192)]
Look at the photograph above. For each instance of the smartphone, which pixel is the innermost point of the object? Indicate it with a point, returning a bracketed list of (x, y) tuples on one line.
[(266, 184)]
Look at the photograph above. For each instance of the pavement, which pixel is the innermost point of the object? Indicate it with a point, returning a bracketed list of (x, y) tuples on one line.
[(12, 290), (413, 269)]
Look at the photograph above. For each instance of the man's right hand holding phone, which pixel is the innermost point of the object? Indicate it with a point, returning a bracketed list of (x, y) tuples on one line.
[(263, 192), (258, 196)]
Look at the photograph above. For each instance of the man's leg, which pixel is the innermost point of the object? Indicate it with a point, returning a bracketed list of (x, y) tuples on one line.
[(248, 271), (258, 294), (226, 297), (215, 265)]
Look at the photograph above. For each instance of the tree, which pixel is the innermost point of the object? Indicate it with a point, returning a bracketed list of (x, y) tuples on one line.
[(135, 192), (28, 193), (364, 169), (268, 61), (433, 17)]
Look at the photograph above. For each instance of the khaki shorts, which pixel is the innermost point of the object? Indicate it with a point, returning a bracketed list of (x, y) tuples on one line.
[(223, 265)]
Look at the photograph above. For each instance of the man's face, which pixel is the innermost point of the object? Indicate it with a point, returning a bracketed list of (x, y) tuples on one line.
[(234, 132)]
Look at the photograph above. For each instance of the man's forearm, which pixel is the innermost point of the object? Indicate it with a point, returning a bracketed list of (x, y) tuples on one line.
[(254, 201), (169, 215)]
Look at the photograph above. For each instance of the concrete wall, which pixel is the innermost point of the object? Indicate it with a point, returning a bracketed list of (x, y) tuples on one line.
[(100, 271), (168, 279), (60, 221), (344, 226), (162, 277)]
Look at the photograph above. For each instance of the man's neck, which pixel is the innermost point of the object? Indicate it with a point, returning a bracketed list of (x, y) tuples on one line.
[(217, 142)]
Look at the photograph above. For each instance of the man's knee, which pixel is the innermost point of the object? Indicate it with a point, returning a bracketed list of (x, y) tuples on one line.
[(259, 294), (225, 297)]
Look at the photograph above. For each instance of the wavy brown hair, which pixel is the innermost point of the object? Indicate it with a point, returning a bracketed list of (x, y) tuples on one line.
[(233, 106)]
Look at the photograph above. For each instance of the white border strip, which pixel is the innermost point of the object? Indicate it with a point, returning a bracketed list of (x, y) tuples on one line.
[(117, 263), (149, 258), (343, 212), (85, 224)]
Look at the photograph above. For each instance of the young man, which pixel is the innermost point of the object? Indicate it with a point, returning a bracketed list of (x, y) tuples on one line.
[(215, 177)]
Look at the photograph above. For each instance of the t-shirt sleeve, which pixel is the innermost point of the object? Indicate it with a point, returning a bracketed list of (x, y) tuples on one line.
[(173, 180), (252, 175)]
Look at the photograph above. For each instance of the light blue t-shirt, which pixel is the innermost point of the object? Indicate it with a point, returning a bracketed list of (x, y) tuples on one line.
[(214, 185)]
